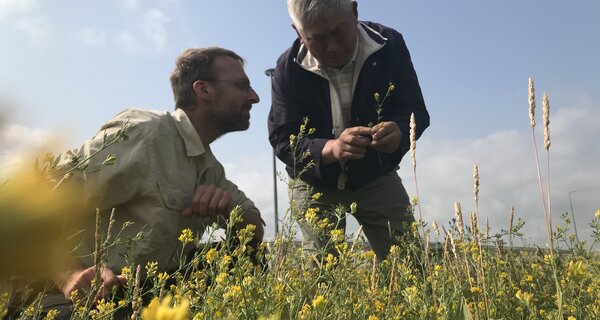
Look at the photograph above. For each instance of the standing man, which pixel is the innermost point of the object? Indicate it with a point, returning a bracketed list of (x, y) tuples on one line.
[(335, 74), (165, 177)]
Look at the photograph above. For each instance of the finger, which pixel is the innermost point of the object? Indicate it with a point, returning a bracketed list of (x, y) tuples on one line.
[(188, 211), (122, 279), (224, 204), (357, 131), (213, 205), (202, 199)]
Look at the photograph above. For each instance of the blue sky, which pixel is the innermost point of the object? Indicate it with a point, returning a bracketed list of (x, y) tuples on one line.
[(68, 66)]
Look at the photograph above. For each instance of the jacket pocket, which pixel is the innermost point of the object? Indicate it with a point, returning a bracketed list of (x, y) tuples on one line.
[(172, 198)]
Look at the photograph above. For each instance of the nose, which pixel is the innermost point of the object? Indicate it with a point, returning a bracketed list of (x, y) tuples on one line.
[(332, 45), (254, 98)]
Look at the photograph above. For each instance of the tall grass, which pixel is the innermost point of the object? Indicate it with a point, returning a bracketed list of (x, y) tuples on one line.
[(470, 275)]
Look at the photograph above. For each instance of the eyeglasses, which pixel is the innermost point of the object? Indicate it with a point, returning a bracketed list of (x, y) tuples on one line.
[(243, 85)]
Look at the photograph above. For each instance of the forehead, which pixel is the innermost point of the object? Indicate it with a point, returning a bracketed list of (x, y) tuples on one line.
[(226, 66), (328, 22)]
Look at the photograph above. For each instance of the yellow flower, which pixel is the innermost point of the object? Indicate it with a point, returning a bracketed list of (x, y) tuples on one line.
[(372, 317), (162, 310), (391, 87), (319, 303), (187, 236), (475, 290), (571, 318), (353, 207), (525, 297), (51, 315), (337, 235), (211, 255), (221, 278), (597, 214), (376, 96), (316, 196), (151, 267), (575, 270)]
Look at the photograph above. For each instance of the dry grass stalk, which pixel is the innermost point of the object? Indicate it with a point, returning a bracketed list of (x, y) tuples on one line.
[(531, 103), (537, 163), (546, 118), (510, 225), (476, 186), (413, 148), (459, 219), (435, 227), (136, 300)]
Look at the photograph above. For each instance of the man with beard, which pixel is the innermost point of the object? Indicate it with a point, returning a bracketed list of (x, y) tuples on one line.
[(165, 178)]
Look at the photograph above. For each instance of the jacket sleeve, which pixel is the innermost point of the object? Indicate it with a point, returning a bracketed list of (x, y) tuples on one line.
[(286, 116)]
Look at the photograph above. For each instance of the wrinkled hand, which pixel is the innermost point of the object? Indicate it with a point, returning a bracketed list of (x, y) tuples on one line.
[(352, 144), (209, 201), (81, 280), (386, 137)]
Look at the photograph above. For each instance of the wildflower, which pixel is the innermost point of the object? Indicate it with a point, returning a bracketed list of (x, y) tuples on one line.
[(221, 278), (162, 310), (376, 96), (597, 214), (51, 315), (126, 272), (372, 317), (575, 270), (337, 235), (525, 297), (110, 160), (151, 267), (104, 309), (211, 255), (353, 207), (391, 87), (319, 303), (233, 293), (187, 236), (475, 290), (226, 261), (571, 318), (162, 277), (316, 196), (292, 139)]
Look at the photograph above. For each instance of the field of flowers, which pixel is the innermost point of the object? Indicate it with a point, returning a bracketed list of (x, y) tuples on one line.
[(470, 274)]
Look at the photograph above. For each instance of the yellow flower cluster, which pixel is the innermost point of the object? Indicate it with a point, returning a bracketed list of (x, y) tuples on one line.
[(165, 310)]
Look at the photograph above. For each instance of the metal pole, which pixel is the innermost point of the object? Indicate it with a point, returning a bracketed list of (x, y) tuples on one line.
[(573, 214), (269, 73)]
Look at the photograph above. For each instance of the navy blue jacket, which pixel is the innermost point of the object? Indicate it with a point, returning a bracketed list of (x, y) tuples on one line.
[(298, 93)]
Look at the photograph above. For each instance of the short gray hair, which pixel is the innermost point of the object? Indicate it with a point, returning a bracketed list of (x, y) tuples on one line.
[(306, 12)]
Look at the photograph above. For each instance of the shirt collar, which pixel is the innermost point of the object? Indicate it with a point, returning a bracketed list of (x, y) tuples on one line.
[(187, 132)]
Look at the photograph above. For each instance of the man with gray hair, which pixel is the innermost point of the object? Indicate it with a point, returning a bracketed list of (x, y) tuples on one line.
[(337, 74)]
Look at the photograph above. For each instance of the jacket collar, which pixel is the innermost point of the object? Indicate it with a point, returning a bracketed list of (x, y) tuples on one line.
[(187, 132)]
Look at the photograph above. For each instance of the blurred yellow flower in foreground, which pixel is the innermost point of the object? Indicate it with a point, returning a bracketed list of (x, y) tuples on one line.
[(162, 310)]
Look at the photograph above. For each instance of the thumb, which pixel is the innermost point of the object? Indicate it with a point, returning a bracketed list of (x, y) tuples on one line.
[(188, 212), (122, 279)]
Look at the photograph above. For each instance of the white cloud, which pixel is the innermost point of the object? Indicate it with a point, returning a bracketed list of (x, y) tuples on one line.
[(154, 27), (129, 43), (508, 174), (26, 17), (19, 7), (37, 28), (16, 142), (93, 38)]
